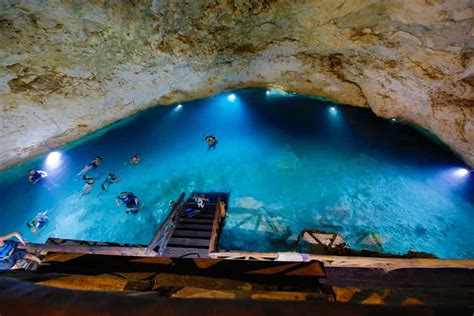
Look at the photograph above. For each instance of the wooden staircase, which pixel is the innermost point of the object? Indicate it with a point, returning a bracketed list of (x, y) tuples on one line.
[(192, 236)]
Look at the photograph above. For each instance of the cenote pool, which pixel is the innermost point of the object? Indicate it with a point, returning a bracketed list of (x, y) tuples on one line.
[(289, 162)]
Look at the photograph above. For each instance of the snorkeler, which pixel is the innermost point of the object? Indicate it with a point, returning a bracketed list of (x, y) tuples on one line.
[(199, 199), (111, 178), (135, 160), (130, 201), (92, 165), (211, 142), (88, 187), (38, 222), (35, 176)]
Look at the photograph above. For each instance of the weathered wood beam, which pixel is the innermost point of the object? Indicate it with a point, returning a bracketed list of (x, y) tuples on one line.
[(387, 264), (162, 228), (215, 227), (96, 250)]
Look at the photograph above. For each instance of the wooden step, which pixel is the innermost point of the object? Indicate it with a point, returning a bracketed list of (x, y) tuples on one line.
[(205, 208), (193, 242), (194, 226), (187, 252), (191, 233), (200, 216), (193, 220)]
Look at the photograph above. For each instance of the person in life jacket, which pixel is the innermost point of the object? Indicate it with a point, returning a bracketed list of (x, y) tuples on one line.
[(132, 205), (10, 254), (211, 142), (35, 176)]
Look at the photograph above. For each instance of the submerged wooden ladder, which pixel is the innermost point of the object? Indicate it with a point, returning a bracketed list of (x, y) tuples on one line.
[(190, 231)]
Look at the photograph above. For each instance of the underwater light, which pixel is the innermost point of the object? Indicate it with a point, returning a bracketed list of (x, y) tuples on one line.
[(461, 172), (231, 97), (393, 120), (178, 107), (332, 110), (53, 160), (276, 91)]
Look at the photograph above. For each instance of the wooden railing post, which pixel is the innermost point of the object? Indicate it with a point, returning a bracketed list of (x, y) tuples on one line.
[(163, 228), (215, 226)]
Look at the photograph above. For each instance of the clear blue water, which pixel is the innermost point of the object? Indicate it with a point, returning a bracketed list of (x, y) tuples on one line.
[(289, 162)]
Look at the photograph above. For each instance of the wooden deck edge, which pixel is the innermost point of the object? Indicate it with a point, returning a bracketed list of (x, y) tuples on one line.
[(96, 250), (387, 264)]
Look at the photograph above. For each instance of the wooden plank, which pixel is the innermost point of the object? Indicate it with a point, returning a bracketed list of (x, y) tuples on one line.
[(195, 226), (169, 218), (192, 233), (97, 250), (386, 264), (215, 227), (196, 220), (177, 241), (201, 216), (188, 252)]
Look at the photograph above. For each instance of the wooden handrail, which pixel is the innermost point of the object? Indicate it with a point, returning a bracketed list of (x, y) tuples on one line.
[(387, 264), (160, 233), (215, 226)]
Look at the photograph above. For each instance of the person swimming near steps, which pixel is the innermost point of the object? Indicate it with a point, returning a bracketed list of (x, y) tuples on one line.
[(38, 222), (92, 165), (35, 176), (88, 186), (199, 199), (135, 160), (132, 205), (111, 178), (211, 142)]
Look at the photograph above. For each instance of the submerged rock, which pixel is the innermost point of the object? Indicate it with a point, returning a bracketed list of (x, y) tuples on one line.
[(372, 240), (248, 202)]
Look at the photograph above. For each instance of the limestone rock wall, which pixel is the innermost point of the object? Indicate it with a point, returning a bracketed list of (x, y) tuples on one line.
[(68, 68)]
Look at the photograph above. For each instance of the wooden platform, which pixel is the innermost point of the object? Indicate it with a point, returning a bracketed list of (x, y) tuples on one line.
[(84, 283)]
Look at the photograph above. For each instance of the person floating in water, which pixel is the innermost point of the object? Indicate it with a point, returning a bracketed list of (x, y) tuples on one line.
[(132, 205), (92, 165), (38, 222), (199, 199), (135, 160), (111, 178), (211, 142), (35, 176), (88, 186)]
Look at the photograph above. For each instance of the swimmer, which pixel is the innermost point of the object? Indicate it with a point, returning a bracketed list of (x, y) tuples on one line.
[(92, 165), (35, 176), (88, 186), (130, 201), (211, 142), (38, 222), (199, 199), (135, 160), (111, 178)]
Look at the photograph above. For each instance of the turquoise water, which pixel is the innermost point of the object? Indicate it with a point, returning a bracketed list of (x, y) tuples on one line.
[(289, 162)]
